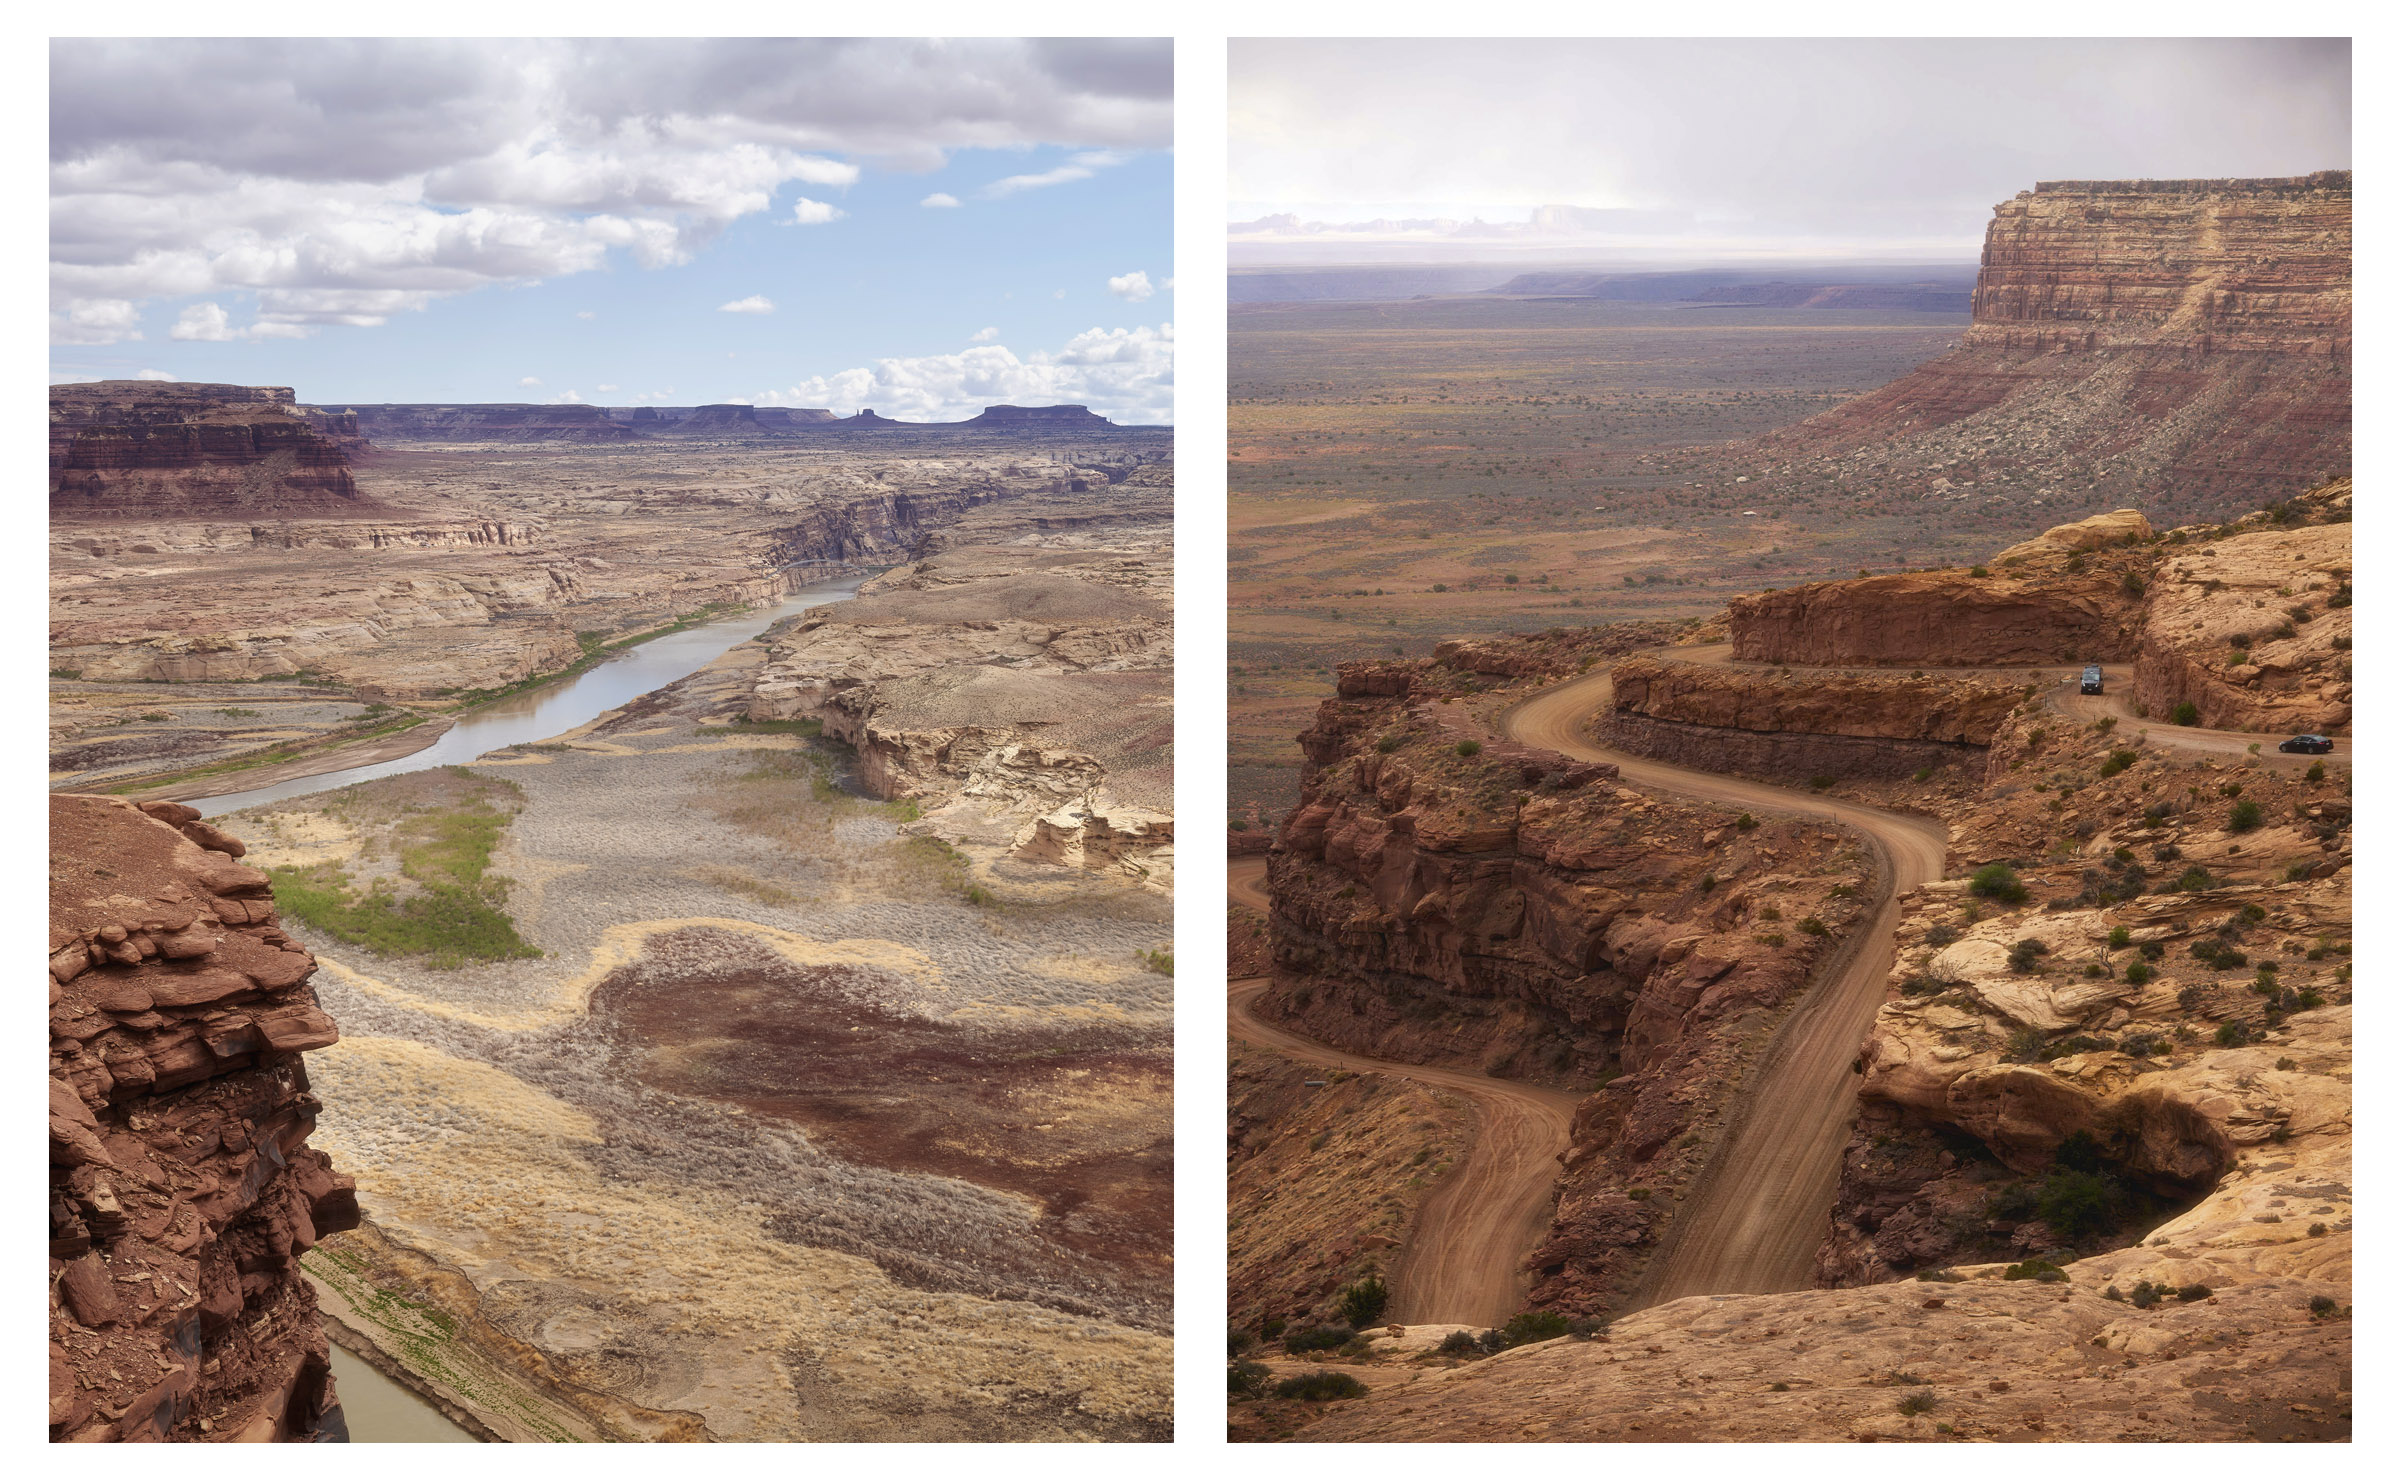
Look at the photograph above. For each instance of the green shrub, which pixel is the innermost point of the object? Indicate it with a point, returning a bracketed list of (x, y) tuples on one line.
[(2232, 1035), (2316, 771), (1978, 571), (1460, 1344), (1997, 881), (1923, 775), (1247, 1379), (2132, 584), (1821, 783), (1362, 1304), (2078, 1204), (1270, 1328), (1813, 926), (1529, 1326), (1707, 882), (1320, 1386), (1238, 1341), (2186, 713), (2137, 972), (2322, 1306), (2035, 1269), (2194, 1292), (2194, 877), (1389, 743), (1744, 823), (2245, 817), (1916, 1403), (2023, 956), (2025, 1046), (2119, 938), (1469, 747), (2146, 1295), (2118, 761)]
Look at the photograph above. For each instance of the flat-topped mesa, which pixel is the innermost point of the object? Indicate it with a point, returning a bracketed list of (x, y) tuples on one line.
[(1039, 418), (2180, 344), (2199, 265), (151, 449), (501, 422), (182, 1187)]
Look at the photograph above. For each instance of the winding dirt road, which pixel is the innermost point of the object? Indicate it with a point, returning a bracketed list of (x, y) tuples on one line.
[(1463, 1263), (1752, 1222)]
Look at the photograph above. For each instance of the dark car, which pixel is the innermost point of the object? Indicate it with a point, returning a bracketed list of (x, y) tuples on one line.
[(2092, 678), (2307, 745)]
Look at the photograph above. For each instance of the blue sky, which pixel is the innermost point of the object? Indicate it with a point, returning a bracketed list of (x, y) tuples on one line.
[(539, 221)]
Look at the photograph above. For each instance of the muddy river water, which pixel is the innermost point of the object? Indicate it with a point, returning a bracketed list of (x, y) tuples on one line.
[(543, 712), (381, 1411)]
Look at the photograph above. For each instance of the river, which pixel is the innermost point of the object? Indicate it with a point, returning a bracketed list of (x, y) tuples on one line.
[(381, 1411), (541, 713)]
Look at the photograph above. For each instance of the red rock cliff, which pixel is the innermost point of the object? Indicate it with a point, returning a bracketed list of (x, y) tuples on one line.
[(168, 449), (182, 1186)]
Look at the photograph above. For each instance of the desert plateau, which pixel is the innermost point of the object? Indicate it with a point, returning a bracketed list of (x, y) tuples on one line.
[(737, 857)]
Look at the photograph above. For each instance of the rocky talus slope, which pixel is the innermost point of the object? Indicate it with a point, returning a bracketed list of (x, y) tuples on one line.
[(2177, 339), (182, 1186), (1446, 900), (141, 449), (1019, 693)]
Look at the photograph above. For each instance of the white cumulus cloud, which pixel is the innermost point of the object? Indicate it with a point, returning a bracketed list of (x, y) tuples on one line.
[(1133, 287), (342, 181), (154, 375), (1126, 375), (604, 390), (940, 199), (585, 313), (566, 398), (1080, 167), (808, 212), (205, 322), (983, 336), (755, 303), (530, 381)]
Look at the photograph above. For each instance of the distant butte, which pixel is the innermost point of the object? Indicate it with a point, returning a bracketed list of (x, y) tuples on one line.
[(577, 423)]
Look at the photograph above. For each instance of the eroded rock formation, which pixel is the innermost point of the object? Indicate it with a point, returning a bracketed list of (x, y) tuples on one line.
[(182, 1187), (1522, 913), (1939, 619), (2131, 334), (1804, 724), (124, 449)]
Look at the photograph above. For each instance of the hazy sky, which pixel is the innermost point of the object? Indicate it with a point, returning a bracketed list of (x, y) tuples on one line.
[(923, 227), (1810, 146)]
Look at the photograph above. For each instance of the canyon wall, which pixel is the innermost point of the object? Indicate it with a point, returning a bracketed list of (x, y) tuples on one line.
[(1518, 912), (2162, 338), (388, 422), (182, 1187), (167, 449)]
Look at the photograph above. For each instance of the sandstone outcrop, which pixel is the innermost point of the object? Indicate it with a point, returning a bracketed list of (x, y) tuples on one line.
[(122, 449), (1939, 619), (182, 1187), (1516, 911), (2119, 527), (2253, 630), (1019, 694), (2136, 335), (1801, 725)]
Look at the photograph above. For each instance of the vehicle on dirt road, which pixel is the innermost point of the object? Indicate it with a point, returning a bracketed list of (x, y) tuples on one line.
[(2092, 678), (2307, 745)]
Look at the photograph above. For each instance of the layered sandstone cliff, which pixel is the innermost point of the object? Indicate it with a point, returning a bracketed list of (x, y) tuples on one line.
[(1939, 619), (389, 422), (2166, 338), (182, 1187), (124, 449), (1803, 724)]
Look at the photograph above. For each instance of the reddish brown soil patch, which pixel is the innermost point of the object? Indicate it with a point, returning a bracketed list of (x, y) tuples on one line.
[(1073, 1119)]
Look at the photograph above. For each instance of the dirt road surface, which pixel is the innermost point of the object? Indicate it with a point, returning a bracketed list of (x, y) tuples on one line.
[(1752, 1221)]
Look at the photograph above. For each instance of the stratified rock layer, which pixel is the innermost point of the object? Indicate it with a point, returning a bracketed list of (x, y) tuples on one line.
[(168, 449), (182, 1187), (2137, 332), (1938, 619), (1807, 724)]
